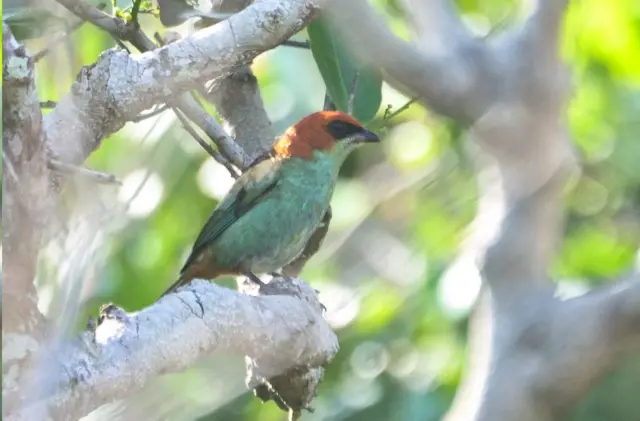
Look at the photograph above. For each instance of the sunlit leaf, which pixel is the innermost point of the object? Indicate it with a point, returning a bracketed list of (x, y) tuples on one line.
[(608, 32), (378, 309), (594, 252)]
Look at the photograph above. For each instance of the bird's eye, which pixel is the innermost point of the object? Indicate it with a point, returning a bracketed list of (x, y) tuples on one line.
[(340, 129)]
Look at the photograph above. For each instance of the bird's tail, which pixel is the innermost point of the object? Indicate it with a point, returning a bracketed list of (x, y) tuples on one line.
[(177, 284)]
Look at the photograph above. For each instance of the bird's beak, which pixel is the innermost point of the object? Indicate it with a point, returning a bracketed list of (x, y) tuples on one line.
[(366, 136)]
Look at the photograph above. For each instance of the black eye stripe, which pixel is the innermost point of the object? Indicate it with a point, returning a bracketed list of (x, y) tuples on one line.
[(340, 129)]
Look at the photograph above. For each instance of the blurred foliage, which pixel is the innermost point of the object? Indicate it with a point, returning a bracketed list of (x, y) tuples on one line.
[(400, 213), (341, 74)]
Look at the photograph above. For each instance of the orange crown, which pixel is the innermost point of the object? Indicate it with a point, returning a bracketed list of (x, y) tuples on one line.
[(310, 133)]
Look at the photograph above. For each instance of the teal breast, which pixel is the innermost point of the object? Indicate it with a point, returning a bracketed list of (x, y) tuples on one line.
[(275, 231)]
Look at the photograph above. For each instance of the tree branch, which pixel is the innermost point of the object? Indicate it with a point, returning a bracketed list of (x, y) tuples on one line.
[(25, 213), (600, 329), (215, 154), (519, 365), (119, 86), (24, 158), (278, 333), (549, 359), (437, 25), (185, 103), (227, 145), (544, 27), (96, 176), (445, 69), (239, 102), (514, 337), (616, 307), (99, 104), (535, 46)]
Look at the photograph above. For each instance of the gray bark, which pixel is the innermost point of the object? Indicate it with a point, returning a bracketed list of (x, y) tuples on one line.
[(532, 355), (276, 333), (510, 92)]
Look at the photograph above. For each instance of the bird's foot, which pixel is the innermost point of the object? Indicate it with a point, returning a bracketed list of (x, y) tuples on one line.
[(253, 278), (322, 306)]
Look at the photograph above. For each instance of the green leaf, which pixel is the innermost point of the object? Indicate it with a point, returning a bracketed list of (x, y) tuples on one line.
[(595, 252), (338, 69)]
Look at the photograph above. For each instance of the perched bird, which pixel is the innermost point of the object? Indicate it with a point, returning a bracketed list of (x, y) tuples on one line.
[(266, 219)]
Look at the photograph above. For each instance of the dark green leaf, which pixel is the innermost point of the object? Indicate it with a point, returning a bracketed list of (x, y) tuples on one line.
[(338, 68)]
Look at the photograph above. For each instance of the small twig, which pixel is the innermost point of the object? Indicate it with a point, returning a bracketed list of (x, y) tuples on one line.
[(148, 171), (143, 43), (297, 44), (502, 24), (388, 115), (62, 36), (195, 135), (215, 154), (96, 176), (228, 149), (294, 415), (150, 114), (352, 92), (329, 105), (122, 44), (48, 104), (55, 41), (135, 10)]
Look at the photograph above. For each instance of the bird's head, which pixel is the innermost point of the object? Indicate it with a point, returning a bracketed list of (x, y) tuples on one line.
[(334, 132)]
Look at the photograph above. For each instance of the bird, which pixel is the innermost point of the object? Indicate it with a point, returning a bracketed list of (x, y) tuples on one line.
[(275, 206)]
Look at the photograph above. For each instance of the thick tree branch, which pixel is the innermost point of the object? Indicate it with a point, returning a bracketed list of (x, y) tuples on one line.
[(105, 95), (528, 157), (600, 329), (447, 69), (544, 28), (277, 333), (26, 177), (25, 213), (437, 25), (515, 334), (119, 86), (229, 148), (542, 79), (518, 224), (520, 368), (239, 102), (616, 308), (186, 102), (547, 361)]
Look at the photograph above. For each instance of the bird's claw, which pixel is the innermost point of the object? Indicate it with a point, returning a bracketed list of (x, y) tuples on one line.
[(253, 278)]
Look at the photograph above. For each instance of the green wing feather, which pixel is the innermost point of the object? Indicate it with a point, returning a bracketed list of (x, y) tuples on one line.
[(249, 189)]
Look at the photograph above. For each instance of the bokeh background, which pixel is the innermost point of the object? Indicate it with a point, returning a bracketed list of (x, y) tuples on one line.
[(401, 210)]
